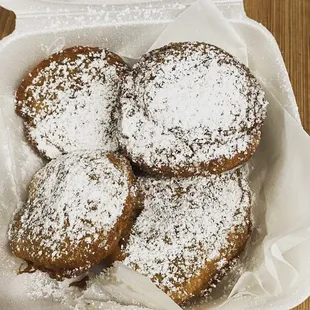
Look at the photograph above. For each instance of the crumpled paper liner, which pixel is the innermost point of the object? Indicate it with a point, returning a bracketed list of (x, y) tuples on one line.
[(273, 272)]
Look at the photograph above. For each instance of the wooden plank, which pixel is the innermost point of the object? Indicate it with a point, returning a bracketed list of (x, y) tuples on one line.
[(289, 22), (7, 22)]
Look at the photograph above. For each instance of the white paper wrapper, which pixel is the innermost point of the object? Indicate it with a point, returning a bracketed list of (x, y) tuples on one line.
[(274, 271), (203, 22), (122, 285)]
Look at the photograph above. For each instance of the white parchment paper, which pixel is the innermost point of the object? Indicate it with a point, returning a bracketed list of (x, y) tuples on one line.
[(274, 271), (202, 21)]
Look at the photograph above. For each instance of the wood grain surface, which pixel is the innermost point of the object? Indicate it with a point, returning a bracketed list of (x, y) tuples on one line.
[(7, 22), (289, 22)]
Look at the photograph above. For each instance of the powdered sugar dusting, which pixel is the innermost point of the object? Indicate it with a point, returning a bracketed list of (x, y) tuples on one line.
[(190, 103), (114, 15), (78, 98), (109, 305), (75, 199), (191, 220), (43, 287)]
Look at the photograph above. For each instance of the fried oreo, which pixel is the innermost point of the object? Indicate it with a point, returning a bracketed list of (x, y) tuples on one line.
[(78, 208), (188, 108), (70, 101), (189, 230)]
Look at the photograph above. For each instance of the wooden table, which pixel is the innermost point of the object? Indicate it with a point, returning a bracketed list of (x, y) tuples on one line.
[(289, 22)]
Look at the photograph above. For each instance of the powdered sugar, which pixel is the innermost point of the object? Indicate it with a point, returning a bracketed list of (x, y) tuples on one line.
[(118, 287), (215, 101), (74, 201), (108, 305), (185, 224), (77, 97), (42, 286), (126, 287), (190, 103)]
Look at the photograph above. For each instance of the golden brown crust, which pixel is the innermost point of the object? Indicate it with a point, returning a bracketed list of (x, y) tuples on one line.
[(163, 131), (216, 166), (118, 254), (31, 102), (195, 285), (25, 97), (172, 223), (72, 259)]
